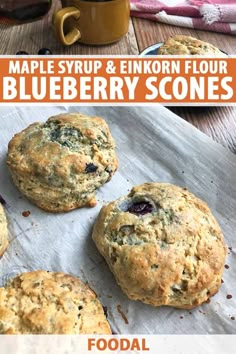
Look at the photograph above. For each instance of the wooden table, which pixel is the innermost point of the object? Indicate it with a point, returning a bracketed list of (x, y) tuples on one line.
[(217, 122)]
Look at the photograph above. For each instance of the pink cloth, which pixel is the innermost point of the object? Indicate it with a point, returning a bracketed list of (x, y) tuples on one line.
[(211, 15), (214, 2)]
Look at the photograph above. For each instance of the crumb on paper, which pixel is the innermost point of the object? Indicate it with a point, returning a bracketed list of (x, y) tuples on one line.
[(203, 313), (26, 213), (122, 314)]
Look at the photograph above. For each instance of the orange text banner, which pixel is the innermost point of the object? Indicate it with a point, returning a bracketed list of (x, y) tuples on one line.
[(123, 80)]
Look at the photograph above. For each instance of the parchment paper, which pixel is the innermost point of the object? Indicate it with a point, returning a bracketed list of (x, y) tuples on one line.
[(153, 145)]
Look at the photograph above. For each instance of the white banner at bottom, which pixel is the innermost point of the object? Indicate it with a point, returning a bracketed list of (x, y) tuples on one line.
[(151, 344)]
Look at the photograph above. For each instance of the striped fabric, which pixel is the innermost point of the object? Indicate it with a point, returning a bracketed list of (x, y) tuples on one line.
[(210, 15)]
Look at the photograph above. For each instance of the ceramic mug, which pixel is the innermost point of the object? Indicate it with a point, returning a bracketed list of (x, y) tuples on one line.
[(91, 22)]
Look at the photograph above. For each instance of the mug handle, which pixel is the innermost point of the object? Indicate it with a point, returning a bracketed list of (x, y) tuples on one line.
[(58, 23)]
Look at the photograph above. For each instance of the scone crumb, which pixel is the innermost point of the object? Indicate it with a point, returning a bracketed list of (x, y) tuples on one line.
[(122, 314), (26, 213)]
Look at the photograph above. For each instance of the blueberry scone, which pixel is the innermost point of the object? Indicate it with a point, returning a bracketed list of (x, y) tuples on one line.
[(60, 164), (185, 45), (3, 231), (163, 245), (43, 302)]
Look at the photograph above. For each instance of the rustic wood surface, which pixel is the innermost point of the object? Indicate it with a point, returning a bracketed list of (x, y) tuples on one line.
[(217, 122)]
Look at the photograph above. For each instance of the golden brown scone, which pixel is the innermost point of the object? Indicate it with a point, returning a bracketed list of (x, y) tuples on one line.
[(163, 245), (43, 302), (60, 164), (185, 45), (3, 231)]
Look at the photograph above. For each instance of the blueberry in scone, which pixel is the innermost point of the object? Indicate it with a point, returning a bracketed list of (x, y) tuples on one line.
[(186, 45), (3, 231), (163, 245), (43, 302), (60, 164)]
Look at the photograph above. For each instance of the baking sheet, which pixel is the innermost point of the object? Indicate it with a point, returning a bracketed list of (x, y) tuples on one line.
[(152, 145)]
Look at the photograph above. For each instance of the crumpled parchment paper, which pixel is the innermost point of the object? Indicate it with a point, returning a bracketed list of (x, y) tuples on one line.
[(152, 145)]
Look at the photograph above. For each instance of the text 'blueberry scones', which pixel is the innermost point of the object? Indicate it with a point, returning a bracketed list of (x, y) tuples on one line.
[(60, 164), (41, 302), (185, 45), (3, 231), (163, 245)]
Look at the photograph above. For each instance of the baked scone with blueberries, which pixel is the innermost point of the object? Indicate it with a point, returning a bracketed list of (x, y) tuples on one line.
[(186, 45), (3, 231), (60, 164), (43, 302), (163, 245)]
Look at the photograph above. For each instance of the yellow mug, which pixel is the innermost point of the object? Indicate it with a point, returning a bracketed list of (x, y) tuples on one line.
[(91, 22)]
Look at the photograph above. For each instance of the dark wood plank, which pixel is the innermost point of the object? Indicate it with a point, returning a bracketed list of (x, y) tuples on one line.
[(33, 36), (219, 123), (225, 42)]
